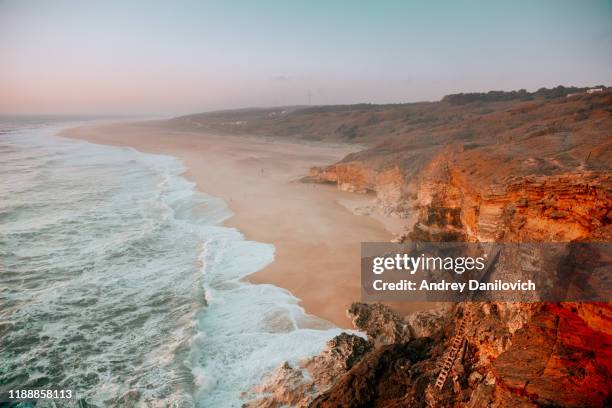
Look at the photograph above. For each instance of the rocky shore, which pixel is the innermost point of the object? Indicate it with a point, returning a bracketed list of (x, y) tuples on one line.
[(512, 355)]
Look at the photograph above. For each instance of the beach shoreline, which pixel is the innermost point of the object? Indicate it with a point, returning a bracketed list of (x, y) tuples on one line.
[(316, 236)]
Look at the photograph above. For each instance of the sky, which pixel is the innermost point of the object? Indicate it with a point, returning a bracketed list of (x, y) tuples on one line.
[(178, 57)]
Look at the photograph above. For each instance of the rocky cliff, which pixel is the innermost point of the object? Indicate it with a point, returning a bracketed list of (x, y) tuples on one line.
[(529, 171), (536, 170), (512, 355)]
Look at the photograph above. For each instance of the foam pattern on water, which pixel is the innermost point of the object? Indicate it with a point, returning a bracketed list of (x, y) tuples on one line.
[(118, 281)]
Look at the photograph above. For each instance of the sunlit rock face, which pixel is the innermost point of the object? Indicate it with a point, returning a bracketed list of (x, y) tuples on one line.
[(558, 359)]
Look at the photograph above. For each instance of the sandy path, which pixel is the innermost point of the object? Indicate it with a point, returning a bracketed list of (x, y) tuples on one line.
[(317, 239)]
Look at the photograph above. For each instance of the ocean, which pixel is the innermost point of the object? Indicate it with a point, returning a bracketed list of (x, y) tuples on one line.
[(118, 280)]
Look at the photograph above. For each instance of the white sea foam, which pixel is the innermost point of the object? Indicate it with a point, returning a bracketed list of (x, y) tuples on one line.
[(120, 281)]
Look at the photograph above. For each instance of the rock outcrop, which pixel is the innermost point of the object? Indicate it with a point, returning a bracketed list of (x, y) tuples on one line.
[(298, 386), (340, 355), (394, 375), (428, 322), (286, 386), (514, 355), (382, 324)]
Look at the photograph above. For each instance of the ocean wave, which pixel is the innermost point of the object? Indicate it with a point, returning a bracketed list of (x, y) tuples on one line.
[(120, 283)]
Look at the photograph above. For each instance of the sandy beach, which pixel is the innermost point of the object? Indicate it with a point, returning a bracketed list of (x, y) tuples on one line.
[(317, 237)]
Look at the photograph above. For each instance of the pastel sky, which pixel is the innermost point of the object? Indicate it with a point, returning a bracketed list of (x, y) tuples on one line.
[(168, 57)]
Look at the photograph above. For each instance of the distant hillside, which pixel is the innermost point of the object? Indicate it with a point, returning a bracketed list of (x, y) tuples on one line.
[(370, 124)]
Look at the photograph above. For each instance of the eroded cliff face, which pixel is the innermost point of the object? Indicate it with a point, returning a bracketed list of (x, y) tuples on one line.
[(388, 185), (523, 354), (514, 354), (527, 172), (543, 174), (558, 208), (452, 205)]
